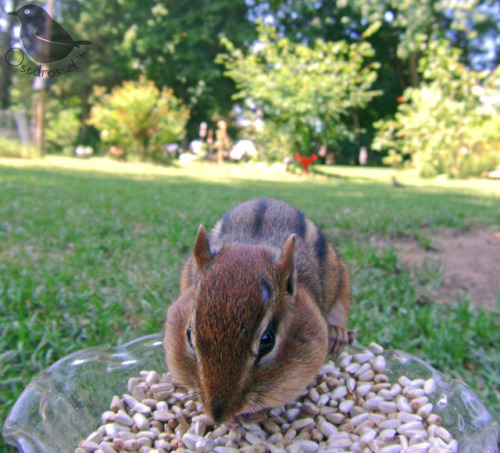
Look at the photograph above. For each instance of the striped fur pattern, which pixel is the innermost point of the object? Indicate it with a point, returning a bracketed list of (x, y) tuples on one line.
[(264, 298)]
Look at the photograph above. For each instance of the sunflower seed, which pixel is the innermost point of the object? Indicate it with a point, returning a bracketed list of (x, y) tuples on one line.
[(346, 406), (350, 385), (339, 392), (123, 418), (391, 449), (390, 424), (364, 388), (368, 436), (425, 410), (344, 442), (387, 434), (429, 386), (406, 417), (444, 434), (307, 446), (387, 407), (379, 364), (363, 357), (405, 427), (403, 404), (352, 368), (418, 448), (375, 348), (417, 403)]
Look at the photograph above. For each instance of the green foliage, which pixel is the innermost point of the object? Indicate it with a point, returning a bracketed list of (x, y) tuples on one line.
[(417, 21), (62, 130), (175, 44), (405, 28), (138, 118), (484, 157), (306, 93), (439, 125), (10, 147), (273, 144)]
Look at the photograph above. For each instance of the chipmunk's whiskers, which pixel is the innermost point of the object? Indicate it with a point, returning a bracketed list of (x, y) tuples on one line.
[(262, 395)]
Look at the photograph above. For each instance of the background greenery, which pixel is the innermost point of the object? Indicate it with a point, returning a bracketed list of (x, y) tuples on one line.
[(333, 73), (91, 251), (90, 255)]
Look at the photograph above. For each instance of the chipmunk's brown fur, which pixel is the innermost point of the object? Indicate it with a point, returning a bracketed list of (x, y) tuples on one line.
[(264, 298)]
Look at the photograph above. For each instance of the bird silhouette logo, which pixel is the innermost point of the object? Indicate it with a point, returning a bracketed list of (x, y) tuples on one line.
[(43, 38)]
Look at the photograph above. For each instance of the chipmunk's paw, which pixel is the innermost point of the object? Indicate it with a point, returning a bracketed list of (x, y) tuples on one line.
[(251, 417), (338, 338)]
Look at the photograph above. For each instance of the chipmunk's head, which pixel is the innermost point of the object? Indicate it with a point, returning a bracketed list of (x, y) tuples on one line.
[(246, 337)]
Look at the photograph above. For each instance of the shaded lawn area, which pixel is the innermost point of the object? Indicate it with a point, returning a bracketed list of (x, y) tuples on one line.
[(91, 253)]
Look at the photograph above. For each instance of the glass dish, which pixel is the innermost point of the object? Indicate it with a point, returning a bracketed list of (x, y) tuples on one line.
[(64, 403)]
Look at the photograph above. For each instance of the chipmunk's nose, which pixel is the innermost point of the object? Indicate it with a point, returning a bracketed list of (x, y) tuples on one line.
[(218, 408)]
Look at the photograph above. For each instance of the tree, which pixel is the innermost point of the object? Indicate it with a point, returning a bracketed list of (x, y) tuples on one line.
[(306, 93), (6, 40), (175, 44), (419, 23)]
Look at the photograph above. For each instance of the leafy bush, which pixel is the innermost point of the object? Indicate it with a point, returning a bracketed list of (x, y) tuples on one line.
[(273, 145), (62, 130), (440, 126), (484, 157), (138, 118), (10, 147), (307, 93)]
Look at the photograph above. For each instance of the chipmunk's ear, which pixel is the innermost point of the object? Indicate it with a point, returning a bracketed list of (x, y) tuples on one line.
[(287, 265), (201, 249)]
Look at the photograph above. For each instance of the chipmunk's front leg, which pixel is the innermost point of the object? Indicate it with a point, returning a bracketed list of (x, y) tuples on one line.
[(338, 338)]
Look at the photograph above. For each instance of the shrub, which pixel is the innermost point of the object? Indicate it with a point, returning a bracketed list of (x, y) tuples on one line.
[(274, 145), (138, 118), (484, 157), (62, 130), (440, 126), (10, 147)]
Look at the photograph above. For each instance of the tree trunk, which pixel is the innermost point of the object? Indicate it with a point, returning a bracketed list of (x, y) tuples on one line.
[(399, 70), (356, 122), (5, 69), (413, 67), (85, 113)]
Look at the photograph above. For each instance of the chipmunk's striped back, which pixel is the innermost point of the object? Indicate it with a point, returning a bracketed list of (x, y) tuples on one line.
[(270, 222)]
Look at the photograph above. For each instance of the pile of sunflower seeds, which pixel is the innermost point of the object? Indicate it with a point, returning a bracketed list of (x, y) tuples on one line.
[(350, 407)]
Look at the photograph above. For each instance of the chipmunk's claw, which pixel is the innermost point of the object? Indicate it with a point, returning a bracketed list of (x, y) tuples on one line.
[(338, 338)]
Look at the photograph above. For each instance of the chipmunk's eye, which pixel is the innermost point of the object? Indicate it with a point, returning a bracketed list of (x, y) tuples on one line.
[(188, 335), (266, 343)]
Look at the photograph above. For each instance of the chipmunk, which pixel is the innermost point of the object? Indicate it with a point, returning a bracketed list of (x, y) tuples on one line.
[(264, 298)]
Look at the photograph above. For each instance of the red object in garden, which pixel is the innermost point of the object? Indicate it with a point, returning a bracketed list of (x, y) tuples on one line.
[(400, 99), (305, 161)]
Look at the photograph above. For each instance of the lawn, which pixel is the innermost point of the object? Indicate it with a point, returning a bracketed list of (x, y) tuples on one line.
[(91, 252)]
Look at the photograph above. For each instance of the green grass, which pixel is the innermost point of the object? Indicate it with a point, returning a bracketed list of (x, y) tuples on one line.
[(91, 252)]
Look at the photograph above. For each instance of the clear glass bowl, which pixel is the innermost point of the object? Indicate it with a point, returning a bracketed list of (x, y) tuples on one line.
[(64, 403)]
